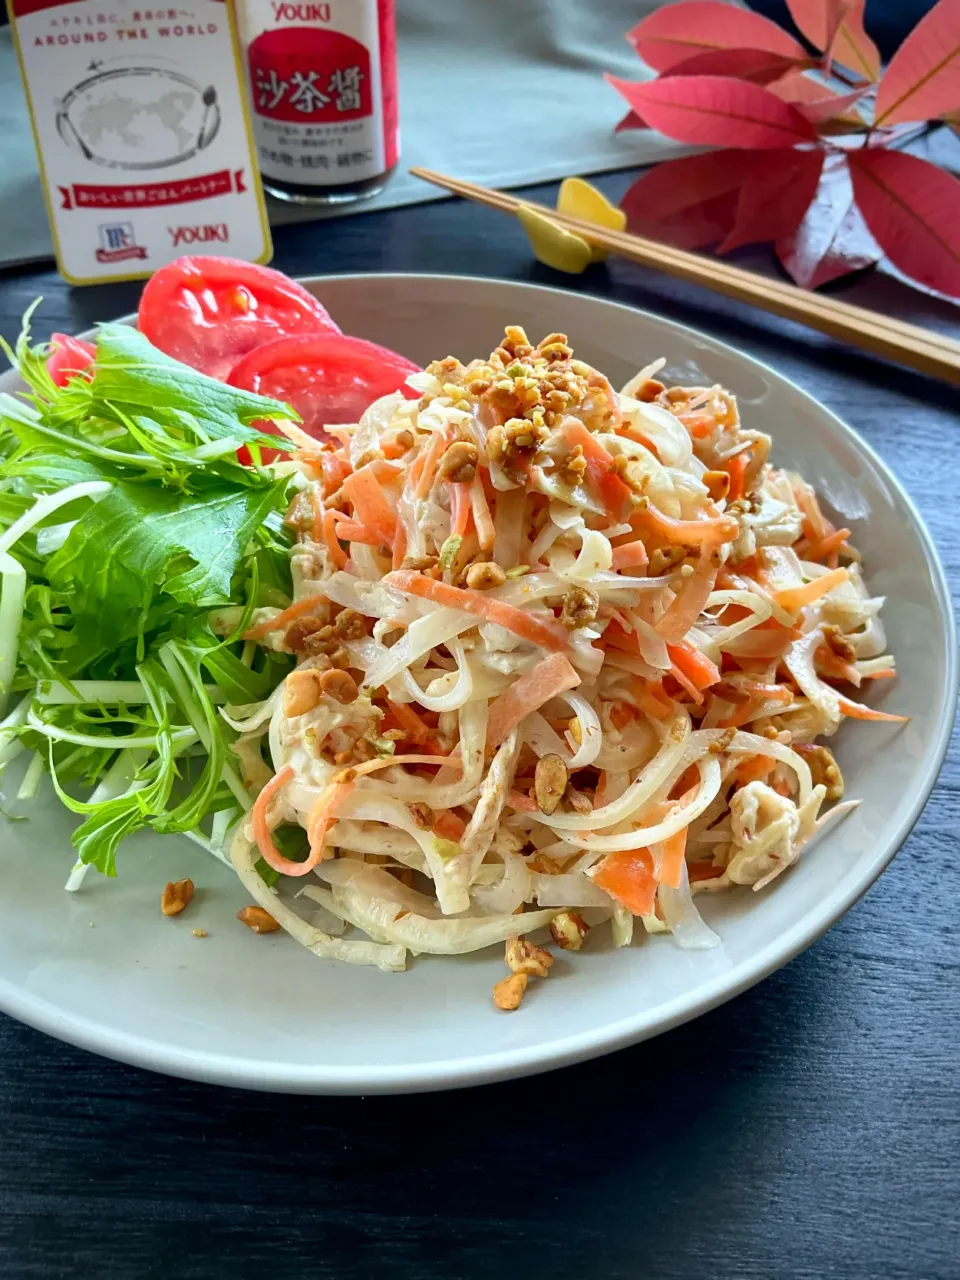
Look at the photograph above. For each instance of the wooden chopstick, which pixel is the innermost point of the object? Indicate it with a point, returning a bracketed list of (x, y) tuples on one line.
[(908, 344)]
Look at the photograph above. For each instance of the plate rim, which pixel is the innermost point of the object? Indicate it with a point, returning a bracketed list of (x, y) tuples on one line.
[(506, 1064)]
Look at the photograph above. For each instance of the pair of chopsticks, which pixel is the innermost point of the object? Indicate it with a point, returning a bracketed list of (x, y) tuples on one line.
[(907, 344)]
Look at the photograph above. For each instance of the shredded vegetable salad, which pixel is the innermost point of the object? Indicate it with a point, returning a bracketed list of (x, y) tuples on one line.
[(512, 652)]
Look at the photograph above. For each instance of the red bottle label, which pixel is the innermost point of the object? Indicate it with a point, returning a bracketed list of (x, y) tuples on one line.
[(323, 84)]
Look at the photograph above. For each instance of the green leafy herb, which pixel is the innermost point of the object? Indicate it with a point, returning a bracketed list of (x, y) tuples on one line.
[(125, 518)]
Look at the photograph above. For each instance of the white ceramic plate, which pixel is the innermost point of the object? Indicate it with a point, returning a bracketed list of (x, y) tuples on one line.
[(103, 969)]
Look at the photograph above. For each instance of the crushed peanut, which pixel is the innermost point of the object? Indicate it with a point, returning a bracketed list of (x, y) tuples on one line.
[(823, 768), (839, 645), (419, 563), (527, 958), (550, 782), (568, 930), (580, 606), (573, 467), (723, 742), (422, 815), (515, 442), (200, 933), (663, 559), (718, 484), (302, 691), (258, 920), (339, 685), (508, 994), (576, 800), (298, 631), (649, 390), (459, 463), (485, 575), (176, 896), (350, 624)]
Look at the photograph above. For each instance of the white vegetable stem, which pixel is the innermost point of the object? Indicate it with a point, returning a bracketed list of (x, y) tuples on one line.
[(49, 503), (14, 589), (108, 692)]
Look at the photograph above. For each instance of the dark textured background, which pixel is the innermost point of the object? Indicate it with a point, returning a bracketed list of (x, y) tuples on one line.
[(805, 1131)]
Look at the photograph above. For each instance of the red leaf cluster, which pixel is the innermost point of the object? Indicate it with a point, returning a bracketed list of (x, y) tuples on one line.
[(804, 163)]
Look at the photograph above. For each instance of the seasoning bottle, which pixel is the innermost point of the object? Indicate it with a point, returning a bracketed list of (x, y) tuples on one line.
[(323, 83)]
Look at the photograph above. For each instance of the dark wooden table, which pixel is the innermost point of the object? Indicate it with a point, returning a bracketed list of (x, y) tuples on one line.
[(808, 1129)]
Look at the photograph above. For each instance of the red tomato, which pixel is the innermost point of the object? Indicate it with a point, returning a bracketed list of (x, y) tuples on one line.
[(69, 357), (327, 378), (210, 312)]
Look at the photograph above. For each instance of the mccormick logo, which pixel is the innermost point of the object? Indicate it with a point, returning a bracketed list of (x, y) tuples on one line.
[(118, 243), (284, 11), (200, 235)]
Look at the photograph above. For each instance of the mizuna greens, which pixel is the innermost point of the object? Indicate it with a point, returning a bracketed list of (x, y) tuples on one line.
[(125, 518)]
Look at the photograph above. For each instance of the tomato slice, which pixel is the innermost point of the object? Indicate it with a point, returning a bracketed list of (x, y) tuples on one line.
[(69, 357), (327, 378), (210, 312)]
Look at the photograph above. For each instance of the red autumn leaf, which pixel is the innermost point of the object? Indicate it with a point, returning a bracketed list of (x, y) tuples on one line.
[(832, 239), (716, 111), (689, 202), (913, 210), (814, 100), (756, 65), (818, 20), (693, 228), (774, 198), (678, 31), (631, 121), (923, 78), (836, 28), (853, 48)]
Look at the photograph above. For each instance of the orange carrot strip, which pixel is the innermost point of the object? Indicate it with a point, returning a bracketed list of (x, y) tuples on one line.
[(523, 804), (690, 600), (794, 598), (410, 722), (399, 547), (698, 533), (697, 668), (823, 547), (755, 769), (350, 531), (630, 555), (448, 825), (431, 459), (621, 713), (548, 636), (319, 821), (671, 862), (459, 509), (613, 492), (887, 673), (370, 506), (481, 514), (264, 837), (857, 711), (627, 875), (697, 871), (651, 698), (699, 424), (309, 604), (736, 469), (552, 676), (337, 553)]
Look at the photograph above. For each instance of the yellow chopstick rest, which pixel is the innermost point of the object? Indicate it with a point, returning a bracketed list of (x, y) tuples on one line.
[(552, 244), (578, 199)]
